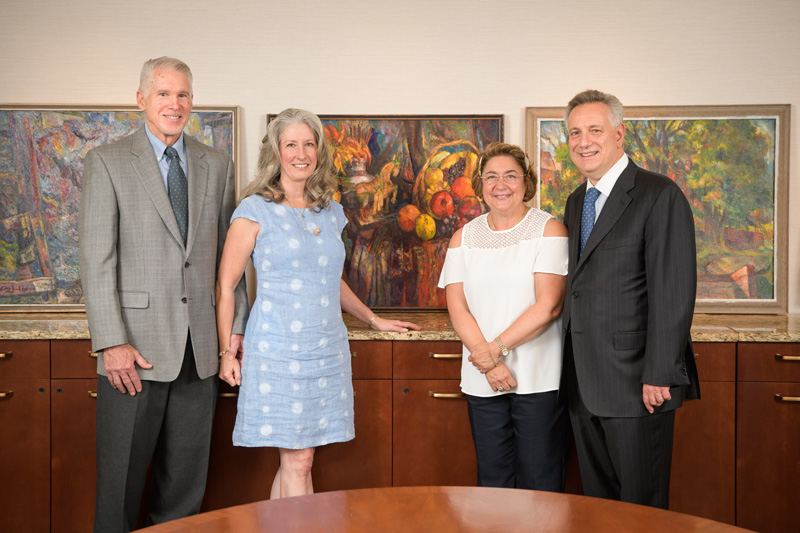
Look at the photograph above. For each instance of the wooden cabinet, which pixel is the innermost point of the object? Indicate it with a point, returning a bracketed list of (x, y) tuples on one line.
[(735, 452), (73, 390), (25, 443), (704, 447), (768, 437), (432, 441)]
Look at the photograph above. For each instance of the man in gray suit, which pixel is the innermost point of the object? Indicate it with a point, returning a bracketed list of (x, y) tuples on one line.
[(154, 213), (628, 358)]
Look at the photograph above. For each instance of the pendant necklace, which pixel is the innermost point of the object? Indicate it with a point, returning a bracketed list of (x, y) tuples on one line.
[(307, 228)]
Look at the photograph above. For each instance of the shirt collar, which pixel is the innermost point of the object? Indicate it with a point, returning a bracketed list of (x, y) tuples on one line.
[(609, 179), (159, 146)]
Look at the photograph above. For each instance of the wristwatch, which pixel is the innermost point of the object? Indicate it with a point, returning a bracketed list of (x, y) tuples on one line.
[(503, 349)]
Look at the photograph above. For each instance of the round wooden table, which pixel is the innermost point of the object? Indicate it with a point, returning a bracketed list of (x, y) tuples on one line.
[(444, 509)]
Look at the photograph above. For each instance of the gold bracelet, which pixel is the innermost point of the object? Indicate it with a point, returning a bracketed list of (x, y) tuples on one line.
[(493, 361), (223, 352), (371, 320)]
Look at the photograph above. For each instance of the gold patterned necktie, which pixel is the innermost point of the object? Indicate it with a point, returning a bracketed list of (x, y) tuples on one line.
[(178, 191)]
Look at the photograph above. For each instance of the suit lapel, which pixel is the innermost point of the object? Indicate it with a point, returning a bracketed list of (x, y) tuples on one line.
[(146, 168), (616, 204), (575, 224), (198, 181)]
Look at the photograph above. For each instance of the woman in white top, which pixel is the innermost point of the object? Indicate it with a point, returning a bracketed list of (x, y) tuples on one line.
[(505, 278)]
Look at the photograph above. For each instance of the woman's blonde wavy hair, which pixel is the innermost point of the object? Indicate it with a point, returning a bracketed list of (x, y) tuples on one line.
[(320, 186)]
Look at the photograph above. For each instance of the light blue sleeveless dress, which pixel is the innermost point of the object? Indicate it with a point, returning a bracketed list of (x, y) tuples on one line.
[(297, 389)]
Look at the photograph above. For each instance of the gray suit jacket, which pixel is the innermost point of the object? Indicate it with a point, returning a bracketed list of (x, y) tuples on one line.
[(141, 285), (630, 296)]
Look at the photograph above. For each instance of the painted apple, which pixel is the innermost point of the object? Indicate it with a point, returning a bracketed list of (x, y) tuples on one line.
[(407, 217), (462, 187), (442, 204), (469, 208), (425, 227)]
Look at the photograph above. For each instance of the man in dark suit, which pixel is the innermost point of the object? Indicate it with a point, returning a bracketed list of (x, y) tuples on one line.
[(628, 359), (154, 214)]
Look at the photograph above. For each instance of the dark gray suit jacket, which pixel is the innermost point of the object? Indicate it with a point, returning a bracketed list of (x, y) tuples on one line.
[(630, 296)]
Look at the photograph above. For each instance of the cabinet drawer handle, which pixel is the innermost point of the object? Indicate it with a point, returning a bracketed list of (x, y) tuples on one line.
[(228, 394), (444, 355), (93, 394), (92, 354), (7, 394), (779, 398), (352, 354), (780, 357), (6, 355), (445, 394)]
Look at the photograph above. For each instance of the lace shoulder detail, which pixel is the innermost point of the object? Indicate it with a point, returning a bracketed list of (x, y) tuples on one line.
[(477, 233)]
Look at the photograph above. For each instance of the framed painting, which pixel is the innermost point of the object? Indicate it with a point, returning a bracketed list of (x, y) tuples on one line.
[(404, 183), (42, 148), (732, 163)]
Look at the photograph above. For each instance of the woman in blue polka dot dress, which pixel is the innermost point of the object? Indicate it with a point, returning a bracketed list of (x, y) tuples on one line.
[(294, 373)]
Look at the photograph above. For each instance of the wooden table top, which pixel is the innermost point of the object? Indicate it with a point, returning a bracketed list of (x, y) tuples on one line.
[(441, 509)]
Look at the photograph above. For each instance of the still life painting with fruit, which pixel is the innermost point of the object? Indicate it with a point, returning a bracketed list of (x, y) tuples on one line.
[(405, 186)]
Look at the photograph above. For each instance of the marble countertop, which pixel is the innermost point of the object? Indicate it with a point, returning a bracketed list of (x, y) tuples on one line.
[(436, 326)]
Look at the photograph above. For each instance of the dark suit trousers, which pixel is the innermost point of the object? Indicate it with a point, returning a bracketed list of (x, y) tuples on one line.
[(169, 423), (626, 459)]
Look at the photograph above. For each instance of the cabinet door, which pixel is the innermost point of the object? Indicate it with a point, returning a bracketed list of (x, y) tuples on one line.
[(73, 468), (432, 441), (768, 455), (25, 454), (236, 475), (704, 448), (366, 461), (704, 455)]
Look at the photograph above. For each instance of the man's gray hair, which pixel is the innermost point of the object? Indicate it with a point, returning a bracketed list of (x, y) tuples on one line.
[(170, 63), (615, 110)]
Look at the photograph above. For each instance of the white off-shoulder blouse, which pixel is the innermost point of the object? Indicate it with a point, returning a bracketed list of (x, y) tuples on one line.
[(497, 269)]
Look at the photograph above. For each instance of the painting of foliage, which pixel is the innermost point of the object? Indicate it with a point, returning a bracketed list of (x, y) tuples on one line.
[(41, 174), (728, 168)]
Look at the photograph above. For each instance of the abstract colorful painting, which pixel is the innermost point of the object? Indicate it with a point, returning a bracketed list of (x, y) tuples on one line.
[(731, 163), (41, 168), (404, 182)]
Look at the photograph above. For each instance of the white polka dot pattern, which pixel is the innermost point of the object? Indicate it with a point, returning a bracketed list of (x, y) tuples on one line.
[(296, 387)]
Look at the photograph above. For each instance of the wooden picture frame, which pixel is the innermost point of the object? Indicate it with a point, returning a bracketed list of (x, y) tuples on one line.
[(42, 148), (732, 162)]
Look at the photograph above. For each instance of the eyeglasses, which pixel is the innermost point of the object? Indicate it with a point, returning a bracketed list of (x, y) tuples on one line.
[(494, 178)]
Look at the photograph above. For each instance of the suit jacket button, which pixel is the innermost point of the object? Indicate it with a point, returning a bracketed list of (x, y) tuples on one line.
[(186, 264), (184, 300), (574, 295)]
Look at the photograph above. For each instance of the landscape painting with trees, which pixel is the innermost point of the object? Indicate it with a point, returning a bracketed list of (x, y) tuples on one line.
[(730, 162)]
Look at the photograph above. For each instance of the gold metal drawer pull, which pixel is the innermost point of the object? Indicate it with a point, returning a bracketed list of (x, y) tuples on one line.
[(696, 356), (780, 357), (445, 394), (228, 394), (92, 354), (444, 355), (352, 354), (779, 398), (92, 394), (7, 394), (6, 355)]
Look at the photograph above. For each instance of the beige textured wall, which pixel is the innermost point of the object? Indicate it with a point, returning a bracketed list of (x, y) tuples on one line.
[(413, 56)]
